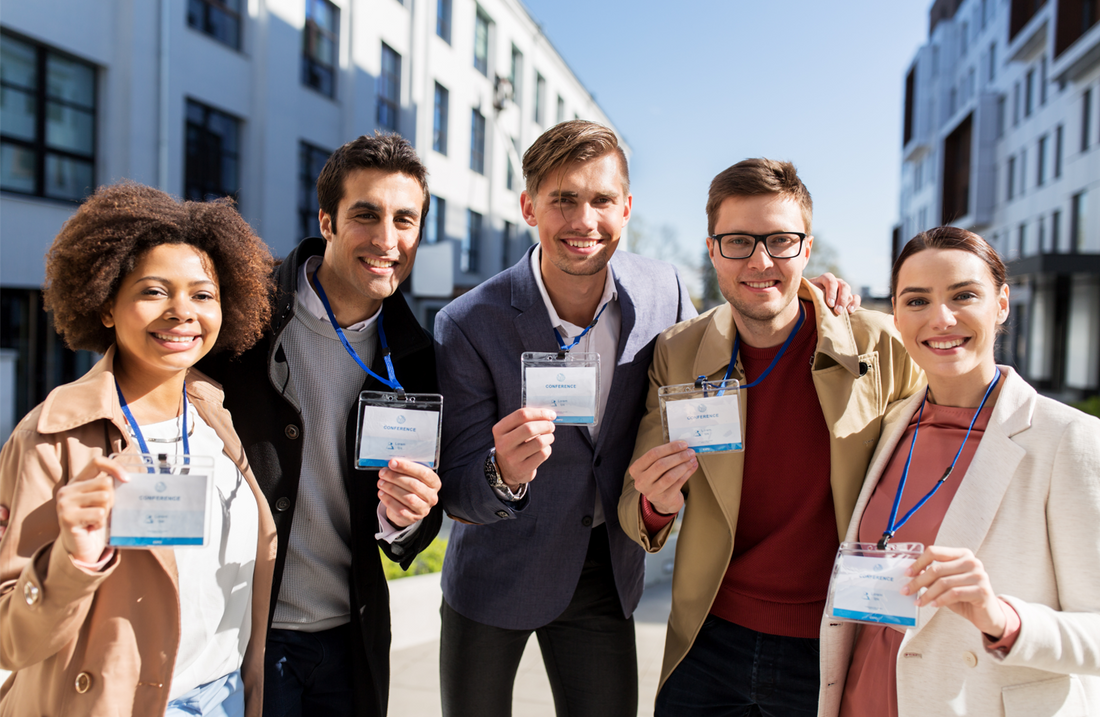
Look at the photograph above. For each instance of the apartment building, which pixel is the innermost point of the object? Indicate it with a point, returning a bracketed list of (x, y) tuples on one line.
[(247, 98), (1001, 135)]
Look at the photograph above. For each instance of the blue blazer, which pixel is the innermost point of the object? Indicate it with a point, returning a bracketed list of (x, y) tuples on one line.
[(517, 567)]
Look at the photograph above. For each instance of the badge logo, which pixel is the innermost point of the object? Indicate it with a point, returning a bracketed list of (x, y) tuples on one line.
[(561, 376), (878, 567), (400, 419), (161, 486), (700, 408)]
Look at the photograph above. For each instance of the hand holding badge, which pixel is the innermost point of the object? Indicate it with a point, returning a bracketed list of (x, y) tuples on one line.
[(567, 384)]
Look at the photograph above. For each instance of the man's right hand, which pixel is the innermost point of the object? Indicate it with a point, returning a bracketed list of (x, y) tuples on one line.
[(661, 473), (522, 439)]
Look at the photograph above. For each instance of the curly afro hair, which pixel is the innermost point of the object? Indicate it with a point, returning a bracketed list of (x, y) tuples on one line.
[(103, 241)]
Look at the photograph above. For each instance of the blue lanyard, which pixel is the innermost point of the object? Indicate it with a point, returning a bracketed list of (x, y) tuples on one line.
[(561, 342), (392, 380), (702, 382), (894, 525), (136, 429)]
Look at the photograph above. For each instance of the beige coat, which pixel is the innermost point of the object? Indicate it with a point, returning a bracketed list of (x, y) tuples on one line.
[(1029, 508), (84, 643), (853, 407)]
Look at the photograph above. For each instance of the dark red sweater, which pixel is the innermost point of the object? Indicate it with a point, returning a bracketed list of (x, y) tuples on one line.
[(786, 528)]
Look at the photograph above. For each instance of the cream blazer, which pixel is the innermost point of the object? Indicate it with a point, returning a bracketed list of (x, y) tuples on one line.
[(1029, 509)]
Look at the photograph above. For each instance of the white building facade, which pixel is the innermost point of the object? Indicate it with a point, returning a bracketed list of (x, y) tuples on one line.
[(1001, 136), (247, 98)]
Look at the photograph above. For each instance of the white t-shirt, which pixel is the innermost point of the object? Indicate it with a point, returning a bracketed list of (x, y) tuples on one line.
[(215, 581)]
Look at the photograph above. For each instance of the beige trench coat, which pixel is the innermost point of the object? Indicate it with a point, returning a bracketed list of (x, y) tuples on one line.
[(84, 643), (853, 405)]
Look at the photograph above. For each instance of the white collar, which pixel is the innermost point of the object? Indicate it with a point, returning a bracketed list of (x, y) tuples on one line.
[(610, 293), (312, 302)]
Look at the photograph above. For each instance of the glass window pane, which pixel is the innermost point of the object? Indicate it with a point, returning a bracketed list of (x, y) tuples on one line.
[(234, 5), (229, 174), (195, 113), (17, 63), (223, 26), (70, 80), (225, 127), (17, 113), (68, 178), (70, 129), (16, 168)]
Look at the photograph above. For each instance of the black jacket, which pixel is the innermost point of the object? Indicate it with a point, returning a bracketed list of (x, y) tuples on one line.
[(259, 394)]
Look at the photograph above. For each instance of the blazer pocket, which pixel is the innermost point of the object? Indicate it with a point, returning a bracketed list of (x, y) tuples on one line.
[(1061, 696)]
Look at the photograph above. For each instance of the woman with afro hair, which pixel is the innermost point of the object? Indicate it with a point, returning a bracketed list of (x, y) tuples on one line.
[(86, 627)]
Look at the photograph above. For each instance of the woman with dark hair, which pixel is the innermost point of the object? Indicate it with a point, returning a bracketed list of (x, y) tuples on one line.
[(88, 627), (1003, 487)]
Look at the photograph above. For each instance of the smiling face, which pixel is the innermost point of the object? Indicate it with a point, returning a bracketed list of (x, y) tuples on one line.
[(761, 290), (371, 241), (948, 310), (167, 312), (580, 211)]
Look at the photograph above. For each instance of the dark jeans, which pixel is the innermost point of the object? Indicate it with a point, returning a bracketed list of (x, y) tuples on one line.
[(589, 653), (308, 673), (732, 671)]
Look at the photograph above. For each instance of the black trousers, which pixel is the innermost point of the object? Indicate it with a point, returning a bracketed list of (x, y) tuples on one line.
[(589, 652)]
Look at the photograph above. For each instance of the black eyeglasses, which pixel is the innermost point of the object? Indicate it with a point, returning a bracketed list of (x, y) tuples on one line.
[(781, 245)]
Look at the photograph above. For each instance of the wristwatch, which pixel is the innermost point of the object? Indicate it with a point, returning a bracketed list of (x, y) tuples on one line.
[(496, 480)]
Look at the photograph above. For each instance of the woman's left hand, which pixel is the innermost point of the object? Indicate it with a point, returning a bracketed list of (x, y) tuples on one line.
[(956, 579)]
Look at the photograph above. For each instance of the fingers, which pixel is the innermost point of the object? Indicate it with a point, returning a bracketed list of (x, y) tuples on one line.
[(846, 300), (408, 491), (517, 418), (828, 284), (100, 465), (945, 570), (5, 514), (661, 472), (522, 440)]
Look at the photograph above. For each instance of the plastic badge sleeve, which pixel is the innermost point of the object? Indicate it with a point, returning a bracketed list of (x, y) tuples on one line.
[(699, 416), (570, 386), (169, 507), (398, 426), (866, 584)]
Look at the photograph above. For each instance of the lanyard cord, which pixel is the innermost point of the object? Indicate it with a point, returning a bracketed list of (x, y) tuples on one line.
[(893, 526), (136, 429), (561, 342), (702, 382), (392, 381)]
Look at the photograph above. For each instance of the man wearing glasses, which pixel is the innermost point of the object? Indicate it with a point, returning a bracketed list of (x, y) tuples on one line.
[(757, 543)]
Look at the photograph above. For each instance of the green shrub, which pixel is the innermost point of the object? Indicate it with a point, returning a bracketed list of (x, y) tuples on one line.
[(429, 561), (1089, 405)]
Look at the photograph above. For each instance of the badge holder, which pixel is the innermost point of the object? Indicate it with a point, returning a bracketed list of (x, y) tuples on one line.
[(398, 425), (165, 503), (867, 581), (566, 383), (706, 415)]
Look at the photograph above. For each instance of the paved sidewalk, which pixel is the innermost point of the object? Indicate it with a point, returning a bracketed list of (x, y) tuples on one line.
[(414, 657)]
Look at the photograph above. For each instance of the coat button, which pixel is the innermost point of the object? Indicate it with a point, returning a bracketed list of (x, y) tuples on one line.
[(970, 659), (502, 514), (83, 682), (282, 504), (30, 593), (291, 431), (586, 521)]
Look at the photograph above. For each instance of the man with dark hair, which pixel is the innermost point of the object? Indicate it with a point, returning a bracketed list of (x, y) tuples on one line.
[(755, 550), (294, 398)]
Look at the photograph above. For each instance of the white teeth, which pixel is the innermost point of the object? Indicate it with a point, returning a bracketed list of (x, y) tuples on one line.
[(945, 344), (379, 263), (760, 284), (581, 243), (175, 339)]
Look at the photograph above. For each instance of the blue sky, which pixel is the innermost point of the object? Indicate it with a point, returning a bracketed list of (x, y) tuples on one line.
[(698, 85)]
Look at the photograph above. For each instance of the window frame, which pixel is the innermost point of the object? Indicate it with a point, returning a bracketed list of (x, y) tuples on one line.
[(481, 48), (477, 141), (387, 79), (443, 11), (307, 187), (208, 112), (470, 254), (310, 64), (440, 118), (206, 27)]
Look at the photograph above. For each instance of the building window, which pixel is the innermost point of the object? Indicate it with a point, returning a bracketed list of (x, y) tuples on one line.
[(955, 200), (510, 176), (561, 110), (1029, 92), (481, 42), (506, 251), (439, 118), (1016, 105), (1077, 220), (1043, 81), (1042, 236), (1041, 161), (320, 43), (516, 76), (1086, 118), (311, 160), (1075, 18), (47, 122), (1058, 151), (220, 19), (1056, 230), (1001, 116), (992, 61), (443, 20), (1023, 172), (477, 142), (471, 243), (435, 229), (1021, 240), (1011, 178), (540, 98), (212, 167), (910, 99), (389, 89)]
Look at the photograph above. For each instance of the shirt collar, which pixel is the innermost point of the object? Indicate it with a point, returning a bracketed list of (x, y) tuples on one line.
[(312, 302), (610, 293)]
